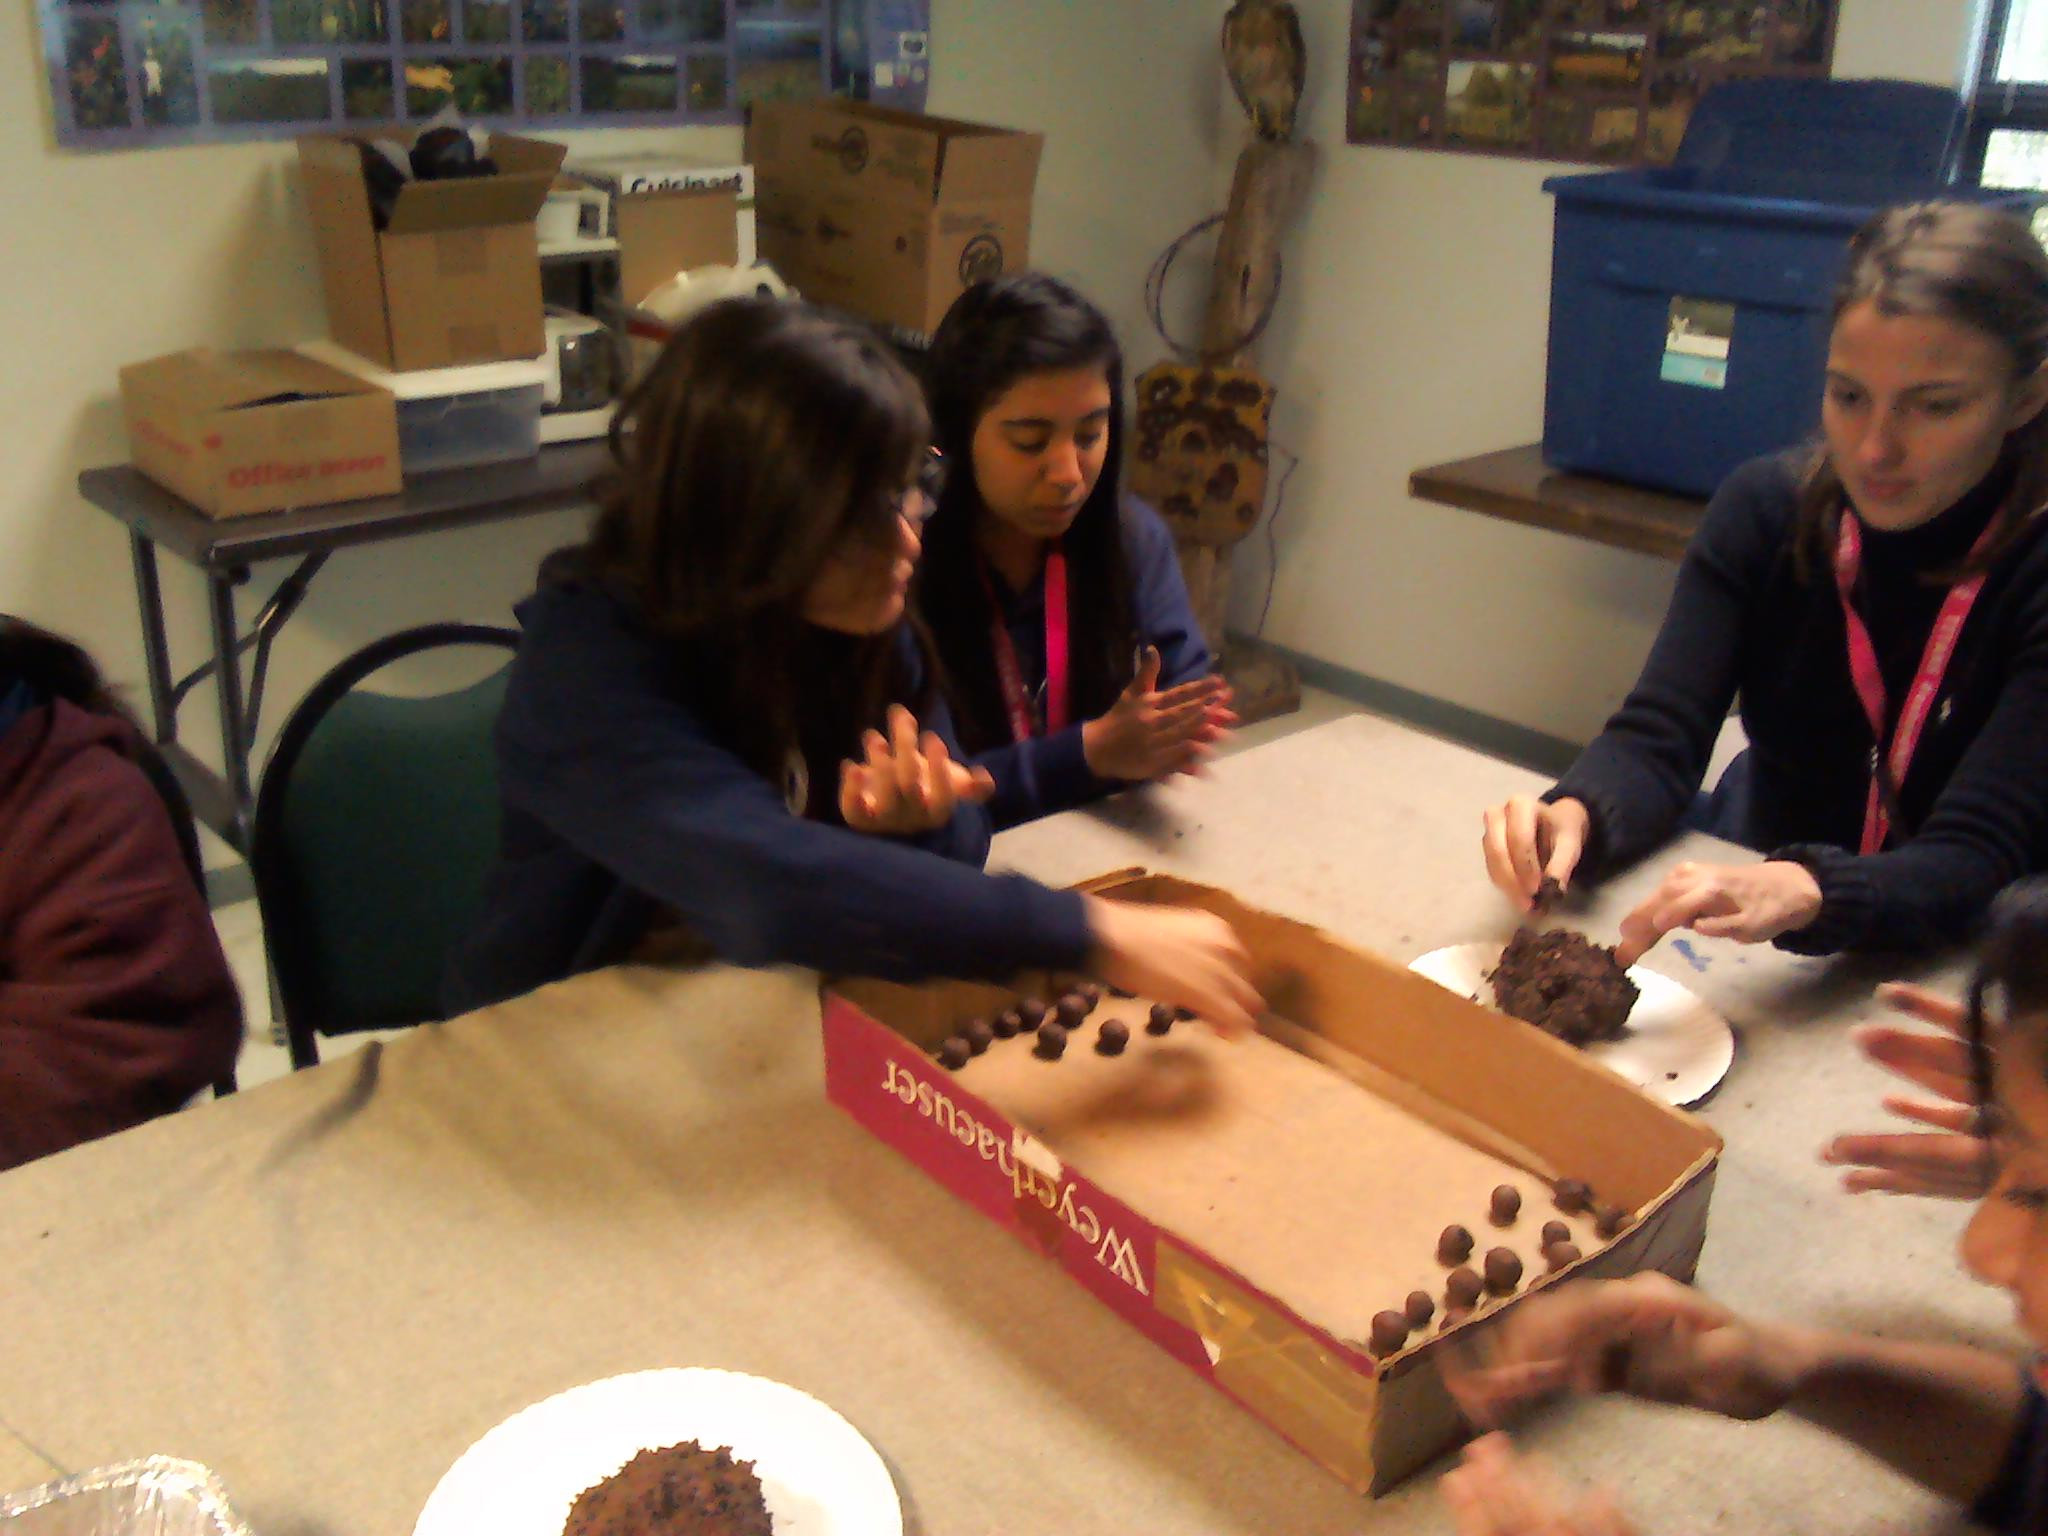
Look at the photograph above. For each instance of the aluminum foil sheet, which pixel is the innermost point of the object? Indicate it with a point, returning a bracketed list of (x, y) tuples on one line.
[(155, 1496)]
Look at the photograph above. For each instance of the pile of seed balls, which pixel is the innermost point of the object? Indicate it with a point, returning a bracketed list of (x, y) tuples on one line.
[(1052, 1027), (1500, 1271)]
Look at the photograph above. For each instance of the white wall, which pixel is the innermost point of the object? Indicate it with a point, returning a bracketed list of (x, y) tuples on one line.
[(108, 258), (1412, 331)]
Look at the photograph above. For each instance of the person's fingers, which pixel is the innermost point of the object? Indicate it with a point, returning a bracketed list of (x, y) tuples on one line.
[(1500, 869), (1962, 1119), (1200, 690), (1522, 815), (903, 750), (936, 776), (1939, 1063), (851, 809), (1177, 720), (1567, 846), (874, 748), (1670, 908), (1920, 1003), (1147, 679), (973, 783)]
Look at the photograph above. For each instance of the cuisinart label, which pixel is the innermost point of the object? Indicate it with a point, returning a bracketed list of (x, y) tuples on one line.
[(1696, 338)]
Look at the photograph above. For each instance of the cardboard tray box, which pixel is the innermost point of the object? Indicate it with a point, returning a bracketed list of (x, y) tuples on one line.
[(1446, 1082), (241, 432), (886, 213), (454, 277)]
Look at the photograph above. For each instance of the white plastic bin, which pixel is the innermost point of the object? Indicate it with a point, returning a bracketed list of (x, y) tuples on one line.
[(455, 418)]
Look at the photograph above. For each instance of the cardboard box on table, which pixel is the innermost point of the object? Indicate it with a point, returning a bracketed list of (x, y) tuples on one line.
[(241, 432), (671, 216), (1452, 1071), (889, 214), (453, 277)]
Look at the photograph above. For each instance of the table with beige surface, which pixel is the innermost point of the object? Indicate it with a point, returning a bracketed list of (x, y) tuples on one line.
[(328, 1287)]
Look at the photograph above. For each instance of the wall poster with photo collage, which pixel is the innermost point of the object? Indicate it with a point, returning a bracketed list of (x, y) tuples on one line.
[(1607, 81), (125, 74)]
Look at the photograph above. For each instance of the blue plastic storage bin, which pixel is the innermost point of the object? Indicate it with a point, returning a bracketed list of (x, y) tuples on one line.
[(1688, 304)]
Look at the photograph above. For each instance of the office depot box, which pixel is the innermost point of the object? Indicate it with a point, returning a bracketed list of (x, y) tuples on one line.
[(889, 214), (1250, 1205), (453, 277), (241, 432), (1689, 303)]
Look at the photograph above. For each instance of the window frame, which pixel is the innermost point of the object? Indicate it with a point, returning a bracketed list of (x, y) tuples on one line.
[(1995, 104)]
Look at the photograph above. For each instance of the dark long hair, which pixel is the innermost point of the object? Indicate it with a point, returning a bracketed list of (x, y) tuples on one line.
[(996, 334), (1973, 265), (764, 439), (2011, 974)]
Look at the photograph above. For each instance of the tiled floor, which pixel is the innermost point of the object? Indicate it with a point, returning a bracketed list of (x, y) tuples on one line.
[(241, 928)]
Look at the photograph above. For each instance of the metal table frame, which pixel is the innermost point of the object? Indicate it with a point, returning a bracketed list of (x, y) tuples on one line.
[(225, 549)]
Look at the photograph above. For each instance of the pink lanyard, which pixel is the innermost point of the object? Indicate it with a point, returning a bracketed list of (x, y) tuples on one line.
[(1015, 698), (1869, 678)]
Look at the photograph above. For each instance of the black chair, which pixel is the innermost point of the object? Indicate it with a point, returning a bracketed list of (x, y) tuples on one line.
[(376, 824)]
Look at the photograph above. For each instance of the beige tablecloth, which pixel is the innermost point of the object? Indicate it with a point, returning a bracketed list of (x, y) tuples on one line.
[(328, 1287)]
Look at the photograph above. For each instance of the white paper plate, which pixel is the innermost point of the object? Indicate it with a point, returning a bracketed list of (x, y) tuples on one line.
[(818, 1475), (1676, 1047)]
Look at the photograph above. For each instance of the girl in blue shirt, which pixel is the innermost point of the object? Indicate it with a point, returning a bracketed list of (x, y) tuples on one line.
[(1074, 662), (712, 722)]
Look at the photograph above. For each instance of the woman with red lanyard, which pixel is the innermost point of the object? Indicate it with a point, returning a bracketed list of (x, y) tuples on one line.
[(1880, 607), (1073, 659)]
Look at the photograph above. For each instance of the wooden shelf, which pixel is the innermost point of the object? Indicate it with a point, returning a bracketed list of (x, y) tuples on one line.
[(1517, 485)]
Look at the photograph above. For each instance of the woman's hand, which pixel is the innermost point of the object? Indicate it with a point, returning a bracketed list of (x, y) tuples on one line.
[(1528, 842), (906, 783), (1180, 955), (1745, 902), (1952, 1160), (1149, 734), (1647, 1336), (1495, 1491)]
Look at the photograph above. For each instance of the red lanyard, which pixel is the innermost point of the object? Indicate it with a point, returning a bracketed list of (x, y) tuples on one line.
[(1011, 676), (1869, 679)]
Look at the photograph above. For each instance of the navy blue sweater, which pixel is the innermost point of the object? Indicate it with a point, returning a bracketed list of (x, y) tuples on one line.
[(1051, 773), (2016, 1504), (1742, 622), (619, 803)]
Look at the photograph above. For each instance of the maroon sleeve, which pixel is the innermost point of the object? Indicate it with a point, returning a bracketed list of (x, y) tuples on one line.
[(116, 1002)]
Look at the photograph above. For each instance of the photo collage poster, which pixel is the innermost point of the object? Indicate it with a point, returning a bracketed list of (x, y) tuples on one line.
[(1610, 82)]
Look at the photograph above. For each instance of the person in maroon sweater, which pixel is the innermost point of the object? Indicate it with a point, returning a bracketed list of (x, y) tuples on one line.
[(116, 1003)]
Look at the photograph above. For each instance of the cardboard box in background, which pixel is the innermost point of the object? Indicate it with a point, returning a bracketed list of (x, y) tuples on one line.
[(671, 216), (453, 278), (1452, 1071), (890, 214), (241, 432)]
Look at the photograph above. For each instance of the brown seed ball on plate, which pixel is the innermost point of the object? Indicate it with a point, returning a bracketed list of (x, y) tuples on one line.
[(1420, 1307), (1031, 1012), (1183, 1014), (1089, 993), (1007, 1023), (1454, 1246), (1452, 1317), (1117, 991), (1112, 1037), (1462, 1288), (979, 1035), (1557, 1255), (1556, 1232), (1503, 1271), (1573, 1196), (954, 1052), (1612, 1221), (1389, 1332), (1052, 1041), (1159, 1020), (1071, 1009), (1505, 1205)]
